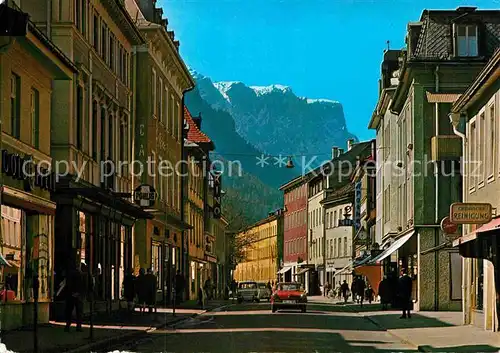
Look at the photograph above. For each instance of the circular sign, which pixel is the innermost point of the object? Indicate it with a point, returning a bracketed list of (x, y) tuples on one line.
[(145, 196), (448, 227)]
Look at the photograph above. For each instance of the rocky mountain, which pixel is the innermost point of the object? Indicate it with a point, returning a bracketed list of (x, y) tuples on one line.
[(246, 123)]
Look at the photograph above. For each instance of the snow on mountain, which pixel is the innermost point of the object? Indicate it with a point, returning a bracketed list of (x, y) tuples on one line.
[(261, 90)]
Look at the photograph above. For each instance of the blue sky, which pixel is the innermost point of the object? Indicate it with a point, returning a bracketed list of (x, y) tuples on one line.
[(322, 49)]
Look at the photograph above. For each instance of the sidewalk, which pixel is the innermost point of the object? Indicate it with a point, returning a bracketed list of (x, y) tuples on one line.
[(108, 329), (434, 331)]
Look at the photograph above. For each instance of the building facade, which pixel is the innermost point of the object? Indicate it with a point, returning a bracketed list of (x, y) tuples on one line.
[(28, 68), (316, 227), (223, 278), (92, 123), (161, 80), (476, 119), (338, 234), (295, 230), (442, 57), (196, 148), (261, 251)]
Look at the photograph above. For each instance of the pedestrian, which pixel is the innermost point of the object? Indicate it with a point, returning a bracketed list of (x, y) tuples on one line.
[(353, 289), (326, 287), (405, 293), (75, 287), (129, 289), (369, 294), (151, 283), (384, 291), (344, 288), (179, 285), (360, 290), (207, 287), (234, 286), (339, 290), (141, 289)]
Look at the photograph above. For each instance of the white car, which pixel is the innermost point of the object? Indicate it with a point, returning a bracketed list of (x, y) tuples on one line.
[(248, 291), (264, 291)]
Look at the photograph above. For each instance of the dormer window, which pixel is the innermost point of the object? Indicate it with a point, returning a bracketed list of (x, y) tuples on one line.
[(466, 40)]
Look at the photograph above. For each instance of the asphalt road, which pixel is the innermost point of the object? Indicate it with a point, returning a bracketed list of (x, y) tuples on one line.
[(253, 328)]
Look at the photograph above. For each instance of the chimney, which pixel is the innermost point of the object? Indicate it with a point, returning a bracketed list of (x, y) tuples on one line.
[(148, 9), (374, 149), (341, 151), (335, 152), (350, 143), (197, 120)]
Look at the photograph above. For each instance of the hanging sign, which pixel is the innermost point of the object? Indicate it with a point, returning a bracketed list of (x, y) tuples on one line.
[(145, 196), (470, 213)]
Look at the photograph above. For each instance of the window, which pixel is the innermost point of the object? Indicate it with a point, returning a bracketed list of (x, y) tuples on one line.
[(123, 144), (12, 233), (482, 147), (112, 57), (152, 169), (345, 246), (110, 136), (386, 207), (95, 133), (78, 13), (103, 141), (467, 43), (15, 107), (104, 34), (172, 114), (493, 141), (35, 118), (79, 117), (156, 263), (153, 90), (159, 98), (96, 32), (386, 143), (160, 159), (473, 165), (177, 118), (335, 223)]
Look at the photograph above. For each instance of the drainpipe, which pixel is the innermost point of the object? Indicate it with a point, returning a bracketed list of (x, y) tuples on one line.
[(455, 119), (49, 20), (436, 176)]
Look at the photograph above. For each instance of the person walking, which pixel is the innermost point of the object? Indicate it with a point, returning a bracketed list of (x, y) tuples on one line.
[(405, 291), (207, 287), (344, 289), (179, 285), (141, 289), (384, 291), (150, 280), (129, 289), (76, 290), (360, 290), (339, 290), (369, 294), (354, 285)]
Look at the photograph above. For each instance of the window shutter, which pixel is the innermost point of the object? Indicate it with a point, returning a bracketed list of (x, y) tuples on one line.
[(454, 39)]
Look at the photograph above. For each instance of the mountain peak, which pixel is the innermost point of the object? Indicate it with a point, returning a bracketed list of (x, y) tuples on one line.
[(261, 90)]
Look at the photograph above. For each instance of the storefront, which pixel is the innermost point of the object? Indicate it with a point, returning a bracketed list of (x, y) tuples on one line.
[(96, 228), (27, 247)]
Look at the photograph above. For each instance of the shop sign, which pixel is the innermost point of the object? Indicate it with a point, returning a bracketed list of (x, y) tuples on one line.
[(217, 193), (330, 265), (447, 226), (145, 195), (470, 213), (357, 207), (23, 168)]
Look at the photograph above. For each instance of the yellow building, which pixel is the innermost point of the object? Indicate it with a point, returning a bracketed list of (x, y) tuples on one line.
[(260, 251), (28, 67)]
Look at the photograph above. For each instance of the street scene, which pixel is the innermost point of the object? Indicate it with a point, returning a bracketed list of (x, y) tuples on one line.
[(297, 176)]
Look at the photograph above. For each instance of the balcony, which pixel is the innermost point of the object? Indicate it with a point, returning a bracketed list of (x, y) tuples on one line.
[(446, 147)]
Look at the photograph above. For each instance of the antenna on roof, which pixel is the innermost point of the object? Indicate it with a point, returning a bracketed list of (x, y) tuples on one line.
[(388, 45)]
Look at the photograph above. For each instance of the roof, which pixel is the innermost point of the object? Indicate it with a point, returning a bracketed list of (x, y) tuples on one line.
[(194, 133), (340, 193), (436, 32), (442, 97), (489, 74), (297, 181)]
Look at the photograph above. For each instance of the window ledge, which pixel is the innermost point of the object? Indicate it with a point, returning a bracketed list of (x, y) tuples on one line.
[(471, 190), (491, 178), (480, 185)]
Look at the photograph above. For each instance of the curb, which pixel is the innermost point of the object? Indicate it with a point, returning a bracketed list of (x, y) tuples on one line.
[(101, 344)]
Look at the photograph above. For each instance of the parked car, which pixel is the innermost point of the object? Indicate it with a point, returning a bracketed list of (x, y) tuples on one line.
[(248, 291), (264, 291), (289, 295)]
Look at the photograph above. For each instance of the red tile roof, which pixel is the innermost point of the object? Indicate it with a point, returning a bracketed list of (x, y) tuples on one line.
[(194, 134)]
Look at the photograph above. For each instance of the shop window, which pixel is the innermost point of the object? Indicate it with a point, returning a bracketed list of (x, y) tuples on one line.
[(12, 234), (15, 105), (123, 237), (156, 264), (456, 276)]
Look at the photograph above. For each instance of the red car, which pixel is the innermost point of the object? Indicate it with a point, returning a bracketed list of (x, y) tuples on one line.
[(289, 295)]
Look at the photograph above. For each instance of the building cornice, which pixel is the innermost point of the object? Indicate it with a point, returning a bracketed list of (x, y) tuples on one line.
[(121, 17)]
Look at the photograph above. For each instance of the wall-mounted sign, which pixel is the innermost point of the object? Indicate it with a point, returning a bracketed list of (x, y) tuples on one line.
[(25, 169), (357, 207), (447, 226), (217, 193), (145, 196), (470, 213)]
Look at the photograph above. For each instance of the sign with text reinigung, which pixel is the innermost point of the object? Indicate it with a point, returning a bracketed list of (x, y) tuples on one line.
[(470, 213)]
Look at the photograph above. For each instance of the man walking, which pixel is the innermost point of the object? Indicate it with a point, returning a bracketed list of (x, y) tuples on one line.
[(75, 287), (344, 288), (405, 290), (179, 287)]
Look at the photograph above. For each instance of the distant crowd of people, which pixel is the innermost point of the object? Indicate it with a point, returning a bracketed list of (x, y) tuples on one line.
[(392, 290)]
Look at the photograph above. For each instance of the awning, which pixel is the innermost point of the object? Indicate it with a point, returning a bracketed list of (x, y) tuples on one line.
[(494, 224), (361, 262), (392, 248), (284, 269), (302, 271), (442, 97), (346, 269), (3, 261)]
